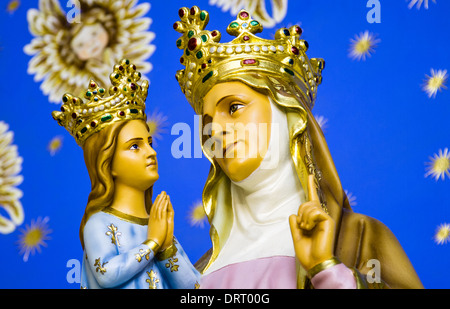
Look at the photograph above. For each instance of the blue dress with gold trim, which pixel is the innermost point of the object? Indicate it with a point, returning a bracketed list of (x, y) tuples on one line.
[(115, 257)]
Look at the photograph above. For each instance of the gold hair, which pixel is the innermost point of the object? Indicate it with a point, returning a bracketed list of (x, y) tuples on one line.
[(99, 152)]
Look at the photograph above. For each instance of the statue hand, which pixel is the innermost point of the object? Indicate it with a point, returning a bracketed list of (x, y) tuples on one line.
[(313, 230), (157, 220), (169, 236)]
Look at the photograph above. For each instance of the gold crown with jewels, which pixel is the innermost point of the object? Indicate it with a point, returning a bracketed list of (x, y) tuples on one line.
[(126, 101), (208, 61)]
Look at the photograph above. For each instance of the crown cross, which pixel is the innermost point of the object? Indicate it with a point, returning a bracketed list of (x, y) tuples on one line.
[(244, 25), (94, 92), (192, 24)]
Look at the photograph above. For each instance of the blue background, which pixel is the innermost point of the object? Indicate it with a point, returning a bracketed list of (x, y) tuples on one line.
[(381, 129)]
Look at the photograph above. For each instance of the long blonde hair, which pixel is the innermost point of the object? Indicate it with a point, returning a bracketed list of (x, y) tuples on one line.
[(99, 152)]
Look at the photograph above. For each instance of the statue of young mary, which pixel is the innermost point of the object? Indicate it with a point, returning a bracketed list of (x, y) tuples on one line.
[(127, 239), (279, 216)]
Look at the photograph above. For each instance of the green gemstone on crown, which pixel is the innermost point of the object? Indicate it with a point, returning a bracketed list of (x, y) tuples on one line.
[(234, 25), (254, 23), (289, 71), (207, 76), (106, 118)]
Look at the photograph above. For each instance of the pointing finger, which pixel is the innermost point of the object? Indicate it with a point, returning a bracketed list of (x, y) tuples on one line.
[(312, 189)]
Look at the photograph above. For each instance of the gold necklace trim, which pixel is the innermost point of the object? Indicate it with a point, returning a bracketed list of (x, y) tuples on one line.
[(125, 217)]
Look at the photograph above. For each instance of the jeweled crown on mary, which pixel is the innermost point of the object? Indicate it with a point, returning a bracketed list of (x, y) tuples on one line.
[(126, 101), (206, 60)]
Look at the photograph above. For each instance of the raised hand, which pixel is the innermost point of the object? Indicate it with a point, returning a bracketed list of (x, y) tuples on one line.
[(313, 230), (157, 220), (170, 225)]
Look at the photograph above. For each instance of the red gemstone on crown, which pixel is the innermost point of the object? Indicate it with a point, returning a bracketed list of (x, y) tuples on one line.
[(203, 65), (74, 115), (133, 86), (192, 11), (181, 12), (243, 15), (246, 38), (298, 30), (249, 61), (192, 44), (175, 26), (294, 50), (214, 33), (92, 85), (121, 113)]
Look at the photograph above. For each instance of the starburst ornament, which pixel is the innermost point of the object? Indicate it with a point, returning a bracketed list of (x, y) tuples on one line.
[(157, 123), (12, 6), (67, 52), (10, 167), (55, 145), (418, 3), (33, 237), (322, 122), (435, 82), (351, 198), (197, 215), (439, 165), (442, 235), (363, 45)]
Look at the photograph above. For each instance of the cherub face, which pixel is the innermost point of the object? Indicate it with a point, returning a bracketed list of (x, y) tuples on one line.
[(134, 163), (240, 122), (90, 42)]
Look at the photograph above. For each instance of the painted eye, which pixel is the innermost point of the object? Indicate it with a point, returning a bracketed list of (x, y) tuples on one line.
[(134, 147), (235, 107)]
